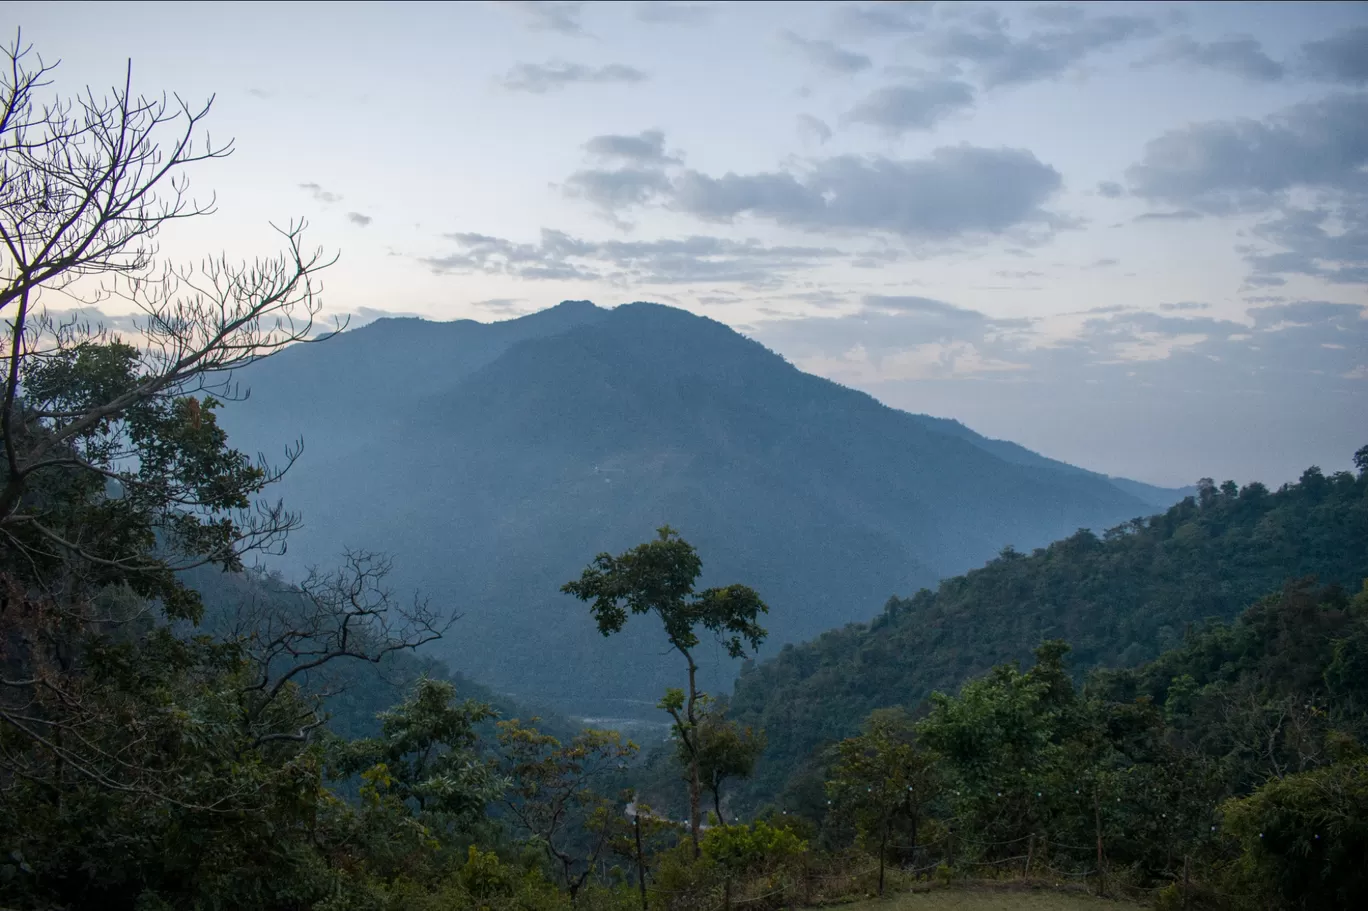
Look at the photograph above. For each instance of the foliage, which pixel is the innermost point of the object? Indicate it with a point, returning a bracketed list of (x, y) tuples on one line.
[(752, 848), (1304, 837), (552, 798), (1117, 599)]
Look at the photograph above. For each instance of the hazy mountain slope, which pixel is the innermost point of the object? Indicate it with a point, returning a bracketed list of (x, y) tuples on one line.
[(1159, 497), (495, 483), (1117, 600)]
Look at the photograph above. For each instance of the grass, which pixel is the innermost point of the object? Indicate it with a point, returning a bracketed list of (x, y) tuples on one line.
[(971, 898)]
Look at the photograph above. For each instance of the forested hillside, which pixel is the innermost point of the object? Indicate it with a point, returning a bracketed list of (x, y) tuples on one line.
[(1118, 599), (490, 458)]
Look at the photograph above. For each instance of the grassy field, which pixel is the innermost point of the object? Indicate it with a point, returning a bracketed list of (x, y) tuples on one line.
[(987, 899)]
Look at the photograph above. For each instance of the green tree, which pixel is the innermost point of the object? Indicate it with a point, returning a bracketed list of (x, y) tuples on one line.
[(882, 778), (658, 577), (553, 797), (726, 750), (427, 755), (1304, 837)]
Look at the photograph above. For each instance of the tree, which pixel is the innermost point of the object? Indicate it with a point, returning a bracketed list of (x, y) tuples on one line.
[(553, 798), (658, 577), (114, 473), (882, 778), (426, 755), (726, 750), (1303, 837)]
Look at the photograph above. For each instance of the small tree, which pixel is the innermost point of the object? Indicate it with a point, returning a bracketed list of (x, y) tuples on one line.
[(726, 750), (881, 778), (426, 755), (658, 578), (553, 796)]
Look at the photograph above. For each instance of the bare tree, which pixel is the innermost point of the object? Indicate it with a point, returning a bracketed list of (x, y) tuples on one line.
[(114, 474), (86, 187)]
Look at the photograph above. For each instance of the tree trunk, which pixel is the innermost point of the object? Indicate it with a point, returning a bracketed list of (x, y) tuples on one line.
[(641, 859), (717, 805), (883, 852), (695, 782)]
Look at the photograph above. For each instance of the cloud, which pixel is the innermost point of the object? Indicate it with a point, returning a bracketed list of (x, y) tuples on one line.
[(358, 219), (260, 93), (1176, 215), (319, 194), (1110, 189), (662, 12), (924, 306), (1102, 263), (885, 18), (1329, 242), (814, 128), (551, 15), (958, 192), (617, 189), (540, 78), (1185, 305), (1245, 165), (827, 54), (896, 109), (696, 259), (1341, 58), (645, 148), (1243, 56), (1068, 37)]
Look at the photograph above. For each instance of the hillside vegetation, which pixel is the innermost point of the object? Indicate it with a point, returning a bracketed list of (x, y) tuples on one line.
[(1117, 599)]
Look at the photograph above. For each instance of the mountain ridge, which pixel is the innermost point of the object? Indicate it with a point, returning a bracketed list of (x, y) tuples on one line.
[(498, 458)]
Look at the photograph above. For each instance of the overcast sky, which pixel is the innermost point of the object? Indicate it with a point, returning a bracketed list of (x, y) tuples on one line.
[(1131, 236)]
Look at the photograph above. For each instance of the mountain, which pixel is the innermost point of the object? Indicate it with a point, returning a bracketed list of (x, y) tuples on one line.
[(495, 460), (1117, 599)]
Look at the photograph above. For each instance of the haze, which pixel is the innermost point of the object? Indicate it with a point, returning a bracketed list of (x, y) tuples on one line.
[(1130, 236)]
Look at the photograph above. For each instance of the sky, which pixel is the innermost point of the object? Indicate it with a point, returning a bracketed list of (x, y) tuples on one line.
[(1133, 236)]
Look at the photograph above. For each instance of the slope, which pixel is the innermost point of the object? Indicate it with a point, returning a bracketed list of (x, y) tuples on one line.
[(1117, 600), (495, 475)]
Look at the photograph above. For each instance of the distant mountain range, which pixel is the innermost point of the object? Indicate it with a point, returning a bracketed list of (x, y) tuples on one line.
[(495, 460)]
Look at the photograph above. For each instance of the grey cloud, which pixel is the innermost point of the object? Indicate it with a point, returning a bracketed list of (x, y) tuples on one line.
[(540, 78), (1001, 59), (619, 189), (925, 306), (666, 13), (260, 93), (694, 259), (358, 219), (1341, 58), (1306, 313), (1243, 56), (645, 148), (896, 109), (1110, 189), (885, 18), (1106, 263), (1233, 165), (1185, 305), (815, 128), (1176, 215), (1018, 273), (958, 192), (319, 194), (551, 15), (827, 54)]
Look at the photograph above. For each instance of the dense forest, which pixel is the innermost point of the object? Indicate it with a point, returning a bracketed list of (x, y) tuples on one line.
[(181, 729), (1117, 598)]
